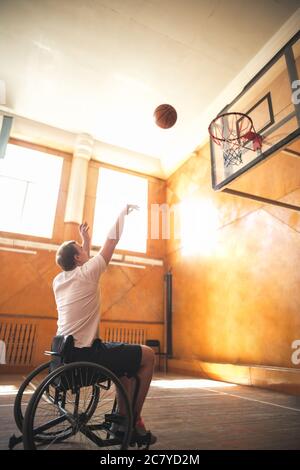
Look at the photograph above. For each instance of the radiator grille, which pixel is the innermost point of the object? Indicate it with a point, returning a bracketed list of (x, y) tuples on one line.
[(19, 339), (126, 335)]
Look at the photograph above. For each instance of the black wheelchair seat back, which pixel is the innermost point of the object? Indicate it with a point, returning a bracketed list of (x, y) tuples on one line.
[(62, 349)]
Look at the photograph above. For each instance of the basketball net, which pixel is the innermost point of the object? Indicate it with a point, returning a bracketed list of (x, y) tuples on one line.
[(234, 132)]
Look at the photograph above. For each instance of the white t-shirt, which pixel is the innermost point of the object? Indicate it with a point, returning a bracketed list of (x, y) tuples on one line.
[(77, 298)]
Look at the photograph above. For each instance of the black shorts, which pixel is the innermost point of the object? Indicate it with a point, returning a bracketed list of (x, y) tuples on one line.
[(121, 358)]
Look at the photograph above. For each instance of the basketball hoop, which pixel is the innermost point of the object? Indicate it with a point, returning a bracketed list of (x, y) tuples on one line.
[(233, 132)]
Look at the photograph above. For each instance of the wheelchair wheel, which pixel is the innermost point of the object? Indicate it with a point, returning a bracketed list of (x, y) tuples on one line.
[(26, 390), (73, 409)]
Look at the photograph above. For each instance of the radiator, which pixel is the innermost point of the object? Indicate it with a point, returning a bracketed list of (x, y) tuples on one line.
[(19, 340), (126, 335)]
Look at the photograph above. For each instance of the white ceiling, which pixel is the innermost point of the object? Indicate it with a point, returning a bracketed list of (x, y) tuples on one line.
[(102, 66)]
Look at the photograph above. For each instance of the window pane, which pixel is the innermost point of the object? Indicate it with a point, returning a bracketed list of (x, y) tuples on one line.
[(39, 202), (115, 190), (12, 193), (29, 185)]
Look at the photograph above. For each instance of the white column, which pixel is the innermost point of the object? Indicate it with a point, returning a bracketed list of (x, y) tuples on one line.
[(77, 185)]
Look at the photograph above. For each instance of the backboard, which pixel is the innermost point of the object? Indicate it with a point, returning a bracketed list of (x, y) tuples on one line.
[(272, 100)]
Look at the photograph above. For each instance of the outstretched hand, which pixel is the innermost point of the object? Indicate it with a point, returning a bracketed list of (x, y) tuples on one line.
[(84, 231), (131, 207)]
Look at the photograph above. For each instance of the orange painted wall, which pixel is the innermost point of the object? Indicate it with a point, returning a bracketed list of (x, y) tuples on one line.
[(237, 300)]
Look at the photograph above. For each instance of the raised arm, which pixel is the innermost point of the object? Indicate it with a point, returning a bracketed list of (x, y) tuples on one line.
[(115, 233), (85, 237)]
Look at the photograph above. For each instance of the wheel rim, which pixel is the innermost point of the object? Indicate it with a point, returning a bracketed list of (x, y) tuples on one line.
[(25, 389)]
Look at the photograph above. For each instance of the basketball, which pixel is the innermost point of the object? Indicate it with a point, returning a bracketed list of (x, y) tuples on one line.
[(165, 116)]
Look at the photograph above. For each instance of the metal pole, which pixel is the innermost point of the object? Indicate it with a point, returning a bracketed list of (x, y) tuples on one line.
[(168, 313)]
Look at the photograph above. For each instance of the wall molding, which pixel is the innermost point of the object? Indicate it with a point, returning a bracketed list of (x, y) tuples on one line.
[(21, 246), (281, 379)]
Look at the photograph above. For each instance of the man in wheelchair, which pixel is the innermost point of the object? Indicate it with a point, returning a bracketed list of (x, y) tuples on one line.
[(77, 297)]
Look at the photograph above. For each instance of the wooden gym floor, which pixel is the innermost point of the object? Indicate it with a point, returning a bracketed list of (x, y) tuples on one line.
[(190, 413)]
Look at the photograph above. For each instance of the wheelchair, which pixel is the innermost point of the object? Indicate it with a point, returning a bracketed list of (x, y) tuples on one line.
[(74, 406)]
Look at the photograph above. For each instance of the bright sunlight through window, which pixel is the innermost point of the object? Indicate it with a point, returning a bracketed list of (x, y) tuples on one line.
[(115, 190), (199, 227), (29, 184)]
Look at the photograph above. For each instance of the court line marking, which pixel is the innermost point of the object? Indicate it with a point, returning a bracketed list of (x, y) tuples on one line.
[(255, 400), (30, 383), (33, 386), (182, 396)]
